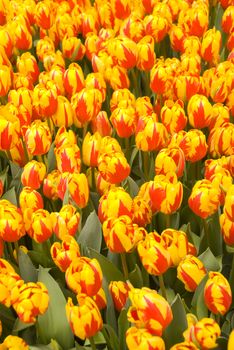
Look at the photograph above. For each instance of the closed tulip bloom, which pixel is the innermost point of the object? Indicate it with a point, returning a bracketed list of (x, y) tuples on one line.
[(173, 116), (14, 342), (33, 174), (65, 252), (6, 41), (146, 56), (149, 310), (56, 73), (86, 104), (64, 137), (113, 167), (73, 79), (221, 140), (142, 339), (119, 293), (223, 180), (154, 256), (64, 115), (5, 80), (44, 46), (121, 8), (66, 221), (40, 225), (166, 193), (133, 28), (191, 271), (204, 333), (27, 65), (21, 96), (90, 149), (17, 154), (68, 158), (199, 111), (158, 77), (194, 145), (124, 121), (79, 189), (10, 282), (114, 203), (217, 293), (117, 77), (185, 86), (84, 275), (170, 159), (211, 44), (120, 234), (204, 199), (157, 26), (142, 213), (150, 134), (44, 15), (22, 36), (227, 229), (219, 116), (32, 300), (176, 244), (50, 185), (37, 138), (228, 19), (30, 199), (9, 128), (72, 48), (85, 320), (11, 222), (121, 95), (143, 106), (96, 81), (101, 124)]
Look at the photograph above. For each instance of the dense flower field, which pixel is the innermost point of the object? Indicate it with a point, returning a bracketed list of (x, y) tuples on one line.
[(116, 174)]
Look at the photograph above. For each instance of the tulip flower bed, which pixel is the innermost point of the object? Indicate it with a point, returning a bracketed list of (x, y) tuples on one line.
[(116, 174)]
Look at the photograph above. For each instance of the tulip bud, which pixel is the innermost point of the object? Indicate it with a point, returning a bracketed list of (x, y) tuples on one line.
[(133, 28), (84, 275), (149, 310), (27, 65), (33, 174), (11, 222), (154, 256), (85, 320), (90, 149), (72, 48), (173, 116), (191, 271), (96, 81), (124, 121), (157, 26), (22, 35), (65, 222), (5, 80), (170, 159), (37, 138), (101, 124), (119, 292), (44, 15), (9, 128), (113, 167), (64, 253), (44, 46), (227, 229), (142, 339), (211, 44), (79, 189), (177, 37), (33, 300), (194, 145), (176, 243), (142, 214), (22, 96), (185, 86), (39, 225), (30, 199), (121, 95), (64, 115), (50, 185), (45, 101), (199, 111), (68, 158), (74, 79), (220, 140), (10, 282)]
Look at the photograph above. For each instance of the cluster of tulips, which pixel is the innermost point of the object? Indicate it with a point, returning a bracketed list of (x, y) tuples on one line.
[(116, 174)]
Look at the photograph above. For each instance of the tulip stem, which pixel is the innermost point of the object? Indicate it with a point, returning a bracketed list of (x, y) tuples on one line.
[(92, 343), (124, 265), (93, 178), (162, 286), (206, 231), (9, 154)]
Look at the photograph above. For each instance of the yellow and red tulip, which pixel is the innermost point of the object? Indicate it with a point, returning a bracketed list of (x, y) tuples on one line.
[(191, 271), (66, 221), (39, 225), (12, 225), (33, 174), (142, 339), (13, 341), (79, 189), (119, 293), (65, 252)]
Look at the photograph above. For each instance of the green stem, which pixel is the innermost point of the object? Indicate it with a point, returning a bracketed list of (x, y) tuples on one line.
[(162, 286), (206, 231), (146, 164), (167, 220), (16, 245), (231, 277), (92, 343), (8, 153), (93, 178), (124, 265), (25, 151)]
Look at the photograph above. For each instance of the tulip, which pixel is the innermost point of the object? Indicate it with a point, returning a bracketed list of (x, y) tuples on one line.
[(27, 65), (65, 222), (133, 28), (217, 293), (227, 229), (159, 75), (220, 115), (14, 342), (64, 253), (90, 149), (9, 128), (117, 77), (64, 137), (204, 333), (84, 275), (173, 116), (228, 19), (194, 20), (22, 35), (37, 138), (39, 225), (79, 189), (85, 320), (185, 86), (113, 167), (89, 22), (10, 282), (101, 124), (230, 341), (154, 256), (220, 140), (32, 300), (30, 199), (146, 56), (72, 48), (176, 244), (121, 95), (119, 293), (149, 310), (44, 16), (194, 145), (142, 339), (211, 44), (157, 26), (5, 80), (68, 158), (199, 111), (191, 271), (74, 79), (186, 345), (44, 46), (22, 96), (143, 106), (170, 159), (33, 174), (177, 38), (142, 214), (50, 185), (106, 15), (121, 8), (124, 121), (12, 225), (56, 73)]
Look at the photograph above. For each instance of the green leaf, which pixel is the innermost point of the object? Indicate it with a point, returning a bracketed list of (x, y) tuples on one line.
[(40, 347), (132, 186), (133, 155), (53, 324), (10, 195), (123, 325), (174, 332), (135, 277), (91, 234), (19, 326), (28, 271), (198, 302), (110, 336), (210, 262), (109, 270), (222, 343), (51, 159)]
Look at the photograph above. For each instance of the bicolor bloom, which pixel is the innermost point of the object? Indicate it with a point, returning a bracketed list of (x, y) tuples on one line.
[(45, 100), (39, 225), (205, 198), (78, 188), (176, 244), (231, 341), (191, 271), (32, 300), (30, 199), (124, 121), (211, 44), (5, 80), (14, 342), (27, 64), (74, 80), (100, 299), (221, 140), (119, 293), (65, 252), (166, 193), (154, 256), (146, 56), (50, 185), (101, 124), (113, 167), (199, 111), (173, 116), (37, 137), (64, 114), (142, 213), (84, 275), (9, 128), (194, 145), (217, 293), (10, 282), (33, 174), (68, 158), (115, 203), (85, 319), (66, 221), (142, 339), (170, 159), (204, 333), (72, 48), (149, 310), (185, 345), (90, 149), (11, 222), (227, 229)]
